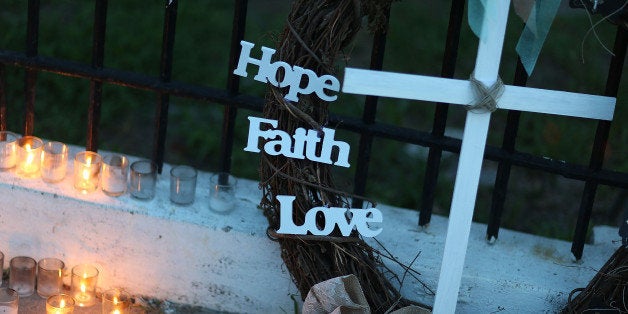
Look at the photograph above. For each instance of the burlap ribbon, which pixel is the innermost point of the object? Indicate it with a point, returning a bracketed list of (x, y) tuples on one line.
[(343, 295)]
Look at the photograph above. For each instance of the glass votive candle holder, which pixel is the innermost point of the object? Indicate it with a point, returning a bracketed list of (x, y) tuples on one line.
[(143, 179), (54, 161), (29, 150), (83, 285), (113, 177), (86, 171), (9, 301), (60, 304), (22, 271), (49, 276), (182, 185), (222, 193), (115, 301), (8, 150)]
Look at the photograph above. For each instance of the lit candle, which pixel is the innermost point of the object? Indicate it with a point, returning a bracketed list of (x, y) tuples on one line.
[(29, 156), (86, 171), (115, 301), (116, 305), (83, 296), (84, 278), (60, 304)]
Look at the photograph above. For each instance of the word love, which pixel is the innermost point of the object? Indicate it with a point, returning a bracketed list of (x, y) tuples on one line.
[(293, 146), (334, 216), (297, 79)]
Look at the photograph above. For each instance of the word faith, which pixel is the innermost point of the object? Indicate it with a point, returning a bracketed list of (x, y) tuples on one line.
[(334, 216), (297, 79), (294, 146)]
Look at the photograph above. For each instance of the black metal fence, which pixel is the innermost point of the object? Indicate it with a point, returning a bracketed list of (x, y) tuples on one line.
[(368, 129)]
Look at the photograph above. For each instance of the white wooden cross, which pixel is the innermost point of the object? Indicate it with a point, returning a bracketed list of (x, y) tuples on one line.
[(395, 85)]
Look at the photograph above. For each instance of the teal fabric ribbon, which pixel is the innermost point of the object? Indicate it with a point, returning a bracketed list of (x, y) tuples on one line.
[(537, 15)]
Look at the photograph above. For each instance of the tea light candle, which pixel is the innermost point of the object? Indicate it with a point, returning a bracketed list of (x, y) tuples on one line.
[(54, 159), (86, 171), (29, 156), (60, 304), (84, 279), (115, 301), (115, 170), (222, 194)]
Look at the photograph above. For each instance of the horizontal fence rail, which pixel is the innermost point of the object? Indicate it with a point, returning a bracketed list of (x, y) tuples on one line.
[(366, 127), (255, 103)]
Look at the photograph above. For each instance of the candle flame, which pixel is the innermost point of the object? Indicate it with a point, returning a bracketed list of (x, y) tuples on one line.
[(115, 300), (83, 288), (86, 171), (62, 303), (30, 157), (116, 312)]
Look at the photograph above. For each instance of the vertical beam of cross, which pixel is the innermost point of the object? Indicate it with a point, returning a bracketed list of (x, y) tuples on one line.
[(470, 161)]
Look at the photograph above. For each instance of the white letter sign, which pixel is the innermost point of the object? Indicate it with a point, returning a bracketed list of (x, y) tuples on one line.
[(293, 146), (334, 216), (294, 76)]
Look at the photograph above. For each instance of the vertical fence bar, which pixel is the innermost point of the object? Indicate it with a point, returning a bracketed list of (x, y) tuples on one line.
[(3, 99), (368, 116), (233, 84), (448, 68), (165, 75), (32, 41), (599, 144), (95, 87), (504, 166)]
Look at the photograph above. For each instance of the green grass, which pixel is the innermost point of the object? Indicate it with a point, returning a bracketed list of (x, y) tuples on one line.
[(537, 202)]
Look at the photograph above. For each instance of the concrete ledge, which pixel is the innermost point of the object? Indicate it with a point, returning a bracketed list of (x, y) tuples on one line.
[(519, 273), (183, 254), (225, 262)]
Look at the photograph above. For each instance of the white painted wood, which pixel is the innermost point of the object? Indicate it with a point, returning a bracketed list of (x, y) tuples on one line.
[(470, 161), (460, 92)]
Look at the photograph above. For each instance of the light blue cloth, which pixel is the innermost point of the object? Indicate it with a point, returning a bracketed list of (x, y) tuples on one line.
[(538, 16)]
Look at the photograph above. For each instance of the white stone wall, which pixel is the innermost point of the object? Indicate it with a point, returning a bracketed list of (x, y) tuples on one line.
[(225, 262), (156, 248)]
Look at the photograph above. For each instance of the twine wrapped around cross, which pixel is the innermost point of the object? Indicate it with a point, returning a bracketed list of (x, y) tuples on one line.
[(486, 98)]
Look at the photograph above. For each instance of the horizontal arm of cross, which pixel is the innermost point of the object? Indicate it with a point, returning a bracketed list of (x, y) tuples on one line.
[(460, 92)]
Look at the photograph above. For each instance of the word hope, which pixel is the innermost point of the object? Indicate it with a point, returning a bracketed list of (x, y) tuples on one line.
[(293, 146), (293, 75), (334, 216)]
